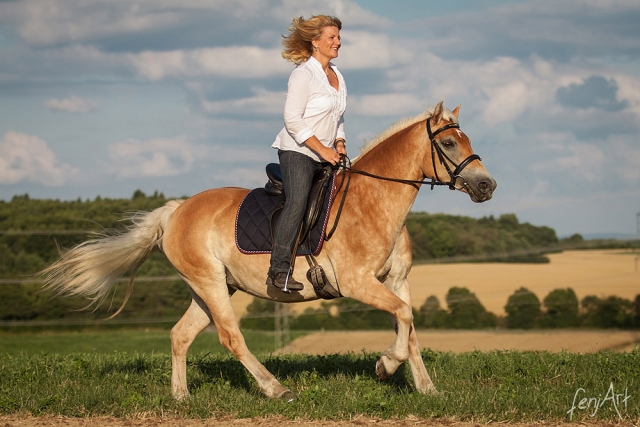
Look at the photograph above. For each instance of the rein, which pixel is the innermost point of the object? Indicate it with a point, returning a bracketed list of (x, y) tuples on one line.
[(435, 148)]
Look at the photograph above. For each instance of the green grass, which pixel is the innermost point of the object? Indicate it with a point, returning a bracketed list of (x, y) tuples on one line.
[(481, 387), (141, 341)]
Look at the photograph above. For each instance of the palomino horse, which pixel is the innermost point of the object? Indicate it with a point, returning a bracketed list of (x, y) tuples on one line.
[(368, 257)]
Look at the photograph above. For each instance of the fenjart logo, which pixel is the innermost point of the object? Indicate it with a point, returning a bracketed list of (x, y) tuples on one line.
[(593, 404)]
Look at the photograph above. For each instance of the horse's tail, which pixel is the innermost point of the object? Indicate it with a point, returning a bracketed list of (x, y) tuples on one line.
[(91, 268)]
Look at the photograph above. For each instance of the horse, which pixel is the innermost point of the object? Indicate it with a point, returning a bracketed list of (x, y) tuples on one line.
[(367, 258)]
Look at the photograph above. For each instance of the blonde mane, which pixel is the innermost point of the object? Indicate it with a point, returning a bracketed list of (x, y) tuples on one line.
[(401, 125)]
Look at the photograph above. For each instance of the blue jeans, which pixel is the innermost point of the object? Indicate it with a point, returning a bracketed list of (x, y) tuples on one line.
[(297, 176)]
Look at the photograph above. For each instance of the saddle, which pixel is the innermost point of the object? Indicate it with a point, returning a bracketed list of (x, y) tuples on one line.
[(261, 208), (321, 181)]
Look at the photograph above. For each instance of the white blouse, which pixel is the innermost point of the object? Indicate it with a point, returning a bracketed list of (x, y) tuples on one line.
[(312, 107)]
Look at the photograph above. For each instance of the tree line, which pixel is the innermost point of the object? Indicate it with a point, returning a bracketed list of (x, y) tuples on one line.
[(559, 309), (32, 231)]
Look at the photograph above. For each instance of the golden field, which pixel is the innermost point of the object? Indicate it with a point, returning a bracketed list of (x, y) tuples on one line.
[(588, 272), (457, 341)]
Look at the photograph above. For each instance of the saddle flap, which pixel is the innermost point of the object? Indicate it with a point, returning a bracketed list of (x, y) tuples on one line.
[(274, 186), (260, 208), (315, 201)]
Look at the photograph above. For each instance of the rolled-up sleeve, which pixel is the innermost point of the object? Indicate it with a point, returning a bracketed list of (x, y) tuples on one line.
[(298, 92), (341, 133)]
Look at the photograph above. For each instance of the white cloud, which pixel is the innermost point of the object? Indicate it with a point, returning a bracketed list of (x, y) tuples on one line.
[(391, 104), (584, 162), (235, 61), (368, 50), (28, 158), (50, 22), (72, 104), (160, 157), (262, 102), (506, 103), (171, 157), (625, 158), (629, 91), (246, 176)]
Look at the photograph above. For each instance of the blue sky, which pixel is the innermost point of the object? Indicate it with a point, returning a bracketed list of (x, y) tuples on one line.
[(106, 97)]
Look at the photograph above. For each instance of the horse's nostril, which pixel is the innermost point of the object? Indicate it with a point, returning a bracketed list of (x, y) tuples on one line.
[(484, 186)]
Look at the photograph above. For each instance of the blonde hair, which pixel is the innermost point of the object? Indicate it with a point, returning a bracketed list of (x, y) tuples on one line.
[(297, 45)]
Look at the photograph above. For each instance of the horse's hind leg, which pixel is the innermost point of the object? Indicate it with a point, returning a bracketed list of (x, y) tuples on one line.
[(213, 292), (194, 320)]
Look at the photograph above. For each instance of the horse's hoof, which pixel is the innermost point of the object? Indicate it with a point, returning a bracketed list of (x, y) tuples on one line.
[(181, 395), (289, 396), (381, 372)]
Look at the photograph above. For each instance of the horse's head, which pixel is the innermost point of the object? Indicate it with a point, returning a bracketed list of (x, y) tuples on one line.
[(451, 156)]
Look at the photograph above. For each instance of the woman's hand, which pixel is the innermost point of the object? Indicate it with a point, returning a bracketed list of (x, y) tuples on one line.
[(341, 146), (328, 154)]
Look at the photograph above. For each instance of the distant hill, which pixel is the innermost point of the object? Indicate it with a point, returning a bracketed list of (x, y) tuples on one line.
[(611, 236)]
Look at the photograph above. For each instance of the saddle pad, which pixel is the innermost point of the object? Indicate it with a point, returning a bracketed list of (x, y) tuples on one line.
[(253, 222)]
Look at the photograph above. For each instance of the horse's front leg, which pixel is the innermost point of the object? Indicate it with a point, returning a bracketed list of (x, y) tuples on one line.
[(371, 292), (421, 377)]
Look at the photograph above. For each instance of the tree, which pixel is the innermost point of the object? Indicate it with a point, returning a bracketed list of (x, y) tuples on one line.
[(611, 312), (523, 309), (466, 311), (354, 315), (260, 315), (574, 240), (562, 309), (431, 315)]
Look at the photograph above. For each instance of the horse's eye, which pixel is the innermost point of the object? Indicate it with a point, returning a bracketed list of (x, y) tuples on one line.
[(447, 143)]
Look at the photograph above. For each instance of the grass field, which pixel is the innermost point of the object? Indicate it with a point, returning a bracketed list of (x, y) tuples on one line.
[(476, 386), (126, 373), (127, 341)]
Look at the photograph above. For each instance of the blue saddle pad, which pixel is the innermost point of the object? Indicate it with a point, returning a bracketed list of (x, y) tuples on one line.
[(253, 223)]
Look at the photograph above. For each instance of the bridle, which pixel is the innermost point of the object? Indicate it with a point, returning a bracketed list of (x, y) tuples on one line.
[(454, 175), (436, 148)]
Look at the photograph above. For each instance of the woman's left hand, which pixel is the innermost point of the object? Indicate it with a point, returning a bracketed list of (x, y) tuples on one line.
[(340, 146)]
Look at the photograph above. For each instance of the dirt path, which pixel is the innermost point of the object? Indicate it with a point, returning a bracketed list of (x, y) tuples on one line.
[(462, 341)]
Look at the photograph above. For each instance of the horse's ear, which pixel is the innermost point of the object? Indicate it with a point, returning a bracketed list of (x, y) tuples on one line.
[(456, 111), (437, 113)]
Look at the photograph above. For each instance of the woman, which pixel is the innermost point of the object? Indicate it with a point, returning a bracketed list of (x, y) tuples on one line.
[(313, 134)]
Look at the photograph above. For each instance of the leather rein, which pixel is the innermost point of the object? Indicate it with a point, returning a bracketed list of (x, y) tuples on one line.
[(454, 175)]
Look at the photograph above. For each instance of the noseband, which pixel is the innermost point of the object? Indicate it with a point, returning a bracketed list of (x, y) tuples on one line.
[(436, 148)]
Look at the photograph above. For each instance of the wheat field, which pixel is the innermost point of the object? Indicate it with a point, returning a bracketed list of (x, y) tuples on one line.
[(587, 272)]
